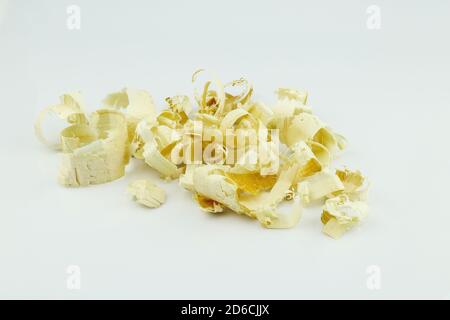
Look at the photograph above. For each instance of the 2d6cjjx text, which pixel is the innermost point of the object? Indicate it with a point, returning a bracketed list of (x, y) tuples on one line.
[(230, 309)]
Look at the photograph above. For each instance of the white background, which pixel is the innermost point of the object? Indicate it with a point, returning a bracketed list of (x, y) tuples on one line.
[(386, 90)]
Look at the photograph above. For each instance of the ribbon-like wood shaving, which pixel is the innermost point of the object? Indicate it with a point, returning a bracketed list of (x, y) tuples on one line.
[(253, 157)]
